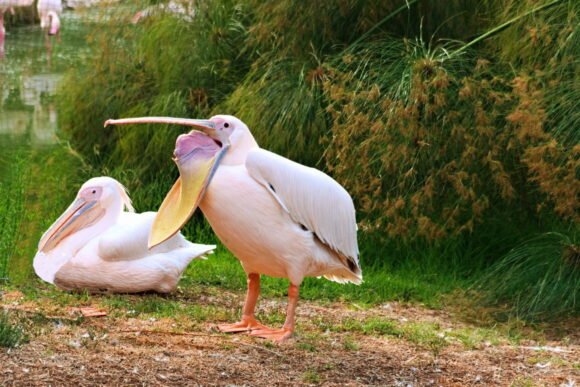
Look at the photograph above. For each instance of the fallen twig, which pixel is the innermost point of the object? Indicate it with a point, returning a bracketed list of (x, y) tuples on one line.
[(92, 312), (258, 347), (147, 331)]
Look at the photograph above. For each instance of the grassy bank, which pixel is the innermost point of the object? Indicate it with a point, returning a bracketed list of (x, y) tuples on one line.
[(42, 183), (37, 185), (452, 125)]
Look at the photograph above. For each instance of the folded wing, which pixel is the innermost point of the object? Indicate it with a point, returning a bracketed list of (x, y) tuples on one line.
[(312, 199), (127, 240)]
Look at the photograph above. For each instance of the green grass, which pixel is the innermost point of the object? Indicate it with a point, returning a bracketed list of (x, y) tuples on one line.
[(223, 272), (474, 338), (13, 168), (39, 185), (350, 344), (10, 335), (425, 335), (311, 377), (540, 277), (521, 381)]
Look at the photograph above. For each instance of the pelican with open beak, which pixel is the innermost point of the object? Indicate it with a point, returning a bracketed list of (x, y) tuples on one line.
[(97, 246), (279, 218), (197, 156)]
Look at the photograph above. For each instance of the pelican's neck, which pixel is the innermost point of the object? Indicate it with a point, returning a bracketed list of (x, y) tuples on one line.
[(46, 265), (242, 142)]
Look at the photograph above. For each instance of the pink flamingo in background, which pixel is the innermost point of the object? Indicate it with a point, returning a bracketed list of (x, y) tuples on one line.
[(49, 11), (2, 34), (6, 5)]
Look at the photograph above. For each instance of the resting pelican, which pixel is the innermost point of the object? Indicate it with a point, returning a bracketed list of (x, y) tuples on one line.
[(279, 218), (49, 11), (97, 246)]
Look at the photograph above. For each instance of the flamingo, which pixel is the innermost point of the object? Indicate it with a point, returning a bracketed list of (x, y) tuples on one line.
[(49, 11), (96, 245), (2, 33), (11, 4), (278, 217), (6, 5)]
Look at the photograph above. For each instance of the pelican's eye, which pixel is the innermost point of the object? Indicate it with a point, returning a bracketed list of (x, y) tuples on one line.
[(92, 193)]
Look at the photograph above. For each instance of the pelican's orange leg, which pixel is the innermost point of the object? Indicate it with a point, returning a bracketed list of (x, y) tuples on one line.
[(248, 321), (279, 335)]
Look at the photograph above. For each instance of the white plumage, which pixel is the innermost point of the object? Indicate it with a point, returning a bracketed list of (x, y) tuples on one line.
[(5, 4), (97, 246), (49, 13), (49, 5), (311, 198)]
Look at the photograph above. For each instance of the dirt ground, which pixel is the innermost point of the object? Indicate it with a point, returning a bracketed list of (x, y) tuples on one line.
[(336, 345)]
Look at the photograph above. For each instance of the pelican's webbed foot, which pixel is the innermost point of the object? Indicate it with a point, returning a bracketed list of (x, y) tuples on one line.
[(276, 335), (245, 325)]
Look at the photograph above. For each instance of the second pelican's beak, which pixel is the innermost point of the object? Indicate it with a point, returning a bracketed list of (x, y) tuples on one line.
[(80, 214), (197, 157)]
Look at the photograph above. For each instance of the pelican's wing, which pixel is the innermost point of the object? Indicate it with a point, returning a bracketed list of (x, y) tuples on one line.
[(118, 260), (127, 240), (312, 198)]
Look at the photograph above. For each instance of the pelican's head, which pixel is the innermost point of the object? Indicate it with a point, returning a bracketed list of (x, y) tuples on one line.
[(97, 197), (222, 138)]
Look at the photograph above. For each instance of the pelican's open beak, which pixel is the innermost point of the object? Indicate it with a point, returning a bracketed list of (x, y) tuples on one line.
[(197, 155), (80, 214)]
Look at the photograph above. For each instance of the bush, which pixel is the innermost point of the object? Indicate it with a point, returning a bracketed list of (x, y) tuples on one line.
[(436, 143)]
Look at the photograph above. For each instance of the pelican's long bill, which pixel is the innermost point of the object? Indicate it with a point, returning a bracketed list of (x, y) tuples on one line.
[(201, 124), (79, 215), (197, 156)]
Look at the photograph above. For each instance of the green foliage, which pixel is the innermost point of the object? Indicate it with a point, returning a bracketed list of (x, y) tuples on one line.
[(540, 277), (10, 335), (13, 165), (311, 377), (31, 198), (19, 16), (133, 74), (436, 143), (283, 102)]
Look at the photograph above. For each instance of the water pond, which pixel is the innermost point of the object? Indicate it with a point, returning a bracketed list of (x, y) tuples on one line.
[(39, 173)]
